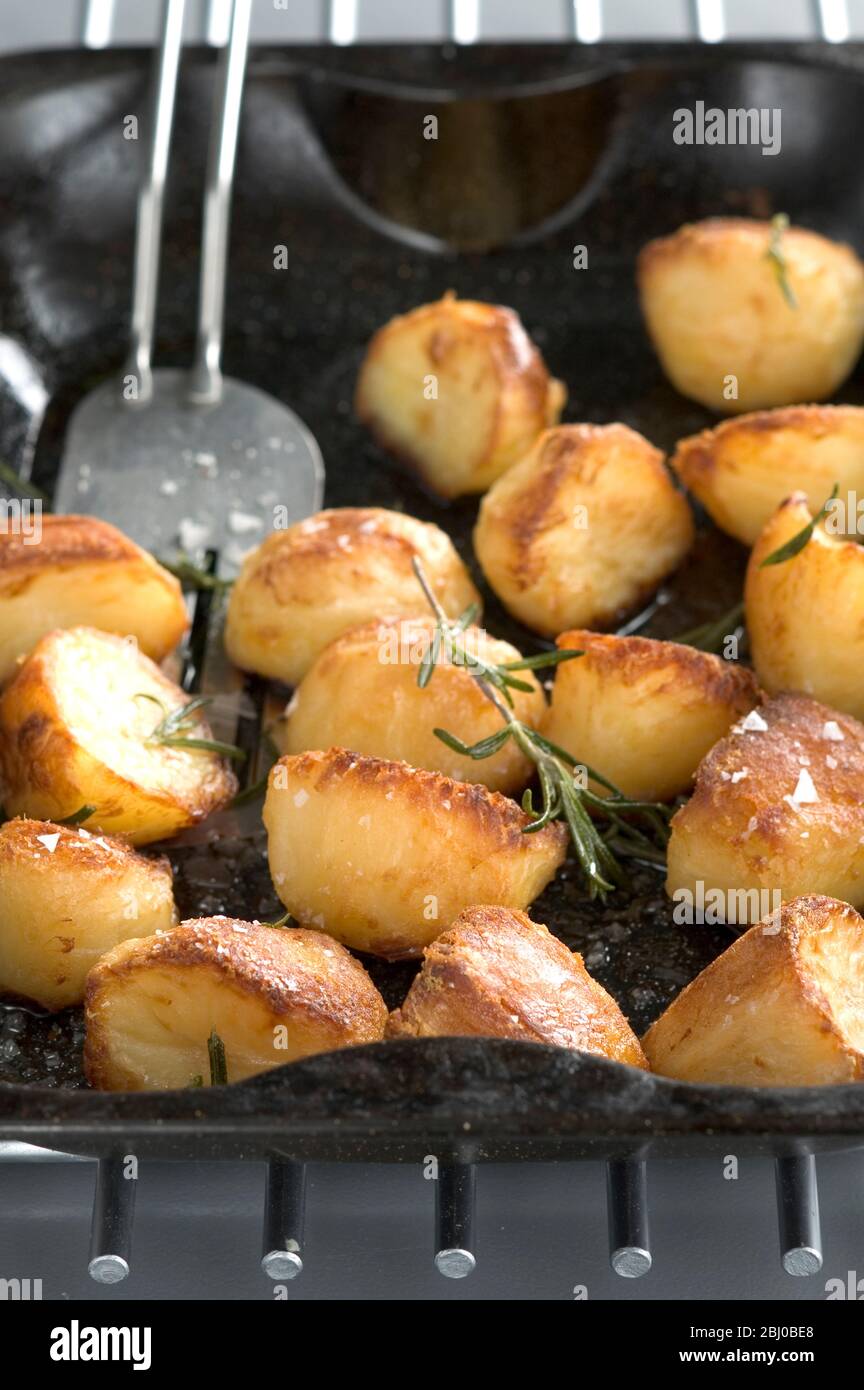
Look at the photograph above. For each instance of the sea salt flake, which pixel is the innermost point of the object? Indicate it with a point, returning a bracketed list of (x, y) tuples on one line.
[(752, 724), (301, 797), (49, 841), (805, 791), (832, 731), (739, 776), (830, 762)]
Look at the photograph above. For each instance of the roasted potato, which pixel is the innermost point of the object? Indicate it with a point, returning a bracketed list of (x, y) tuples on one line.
[(76, 726), (307, 585), (458, 391), (77, 569), (777, 812), (805, 616), (66, 897), (643, 713), (271, 995), (721, 321), (384, 856), (742, 470), (783, 1006), (583, 529), (497, 974), (362, 693)]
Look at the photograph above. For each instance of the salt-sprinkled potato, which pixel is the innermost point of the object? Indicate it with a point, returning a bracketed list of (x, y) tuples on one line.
[(644, 713), (714, 303), (583, 529), (362, 693), (66, 897), (783, 1006), (777, 811), (77, 569), (805, 616), (497, 974), (457, 390), (743, 469), (384, 856), (76, 726), (307, 585), (271, 995)]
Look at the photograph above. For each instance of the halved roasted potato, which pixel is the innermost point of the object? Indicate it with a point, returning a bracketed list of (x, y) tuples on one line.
[(384, 856), (77, 569), (581, 530), (783, 1006), (742, 470), (718, 302), (362, 693), (307, 585), (458, 390), (66, 897), (777, 812), (644, 713), (76, 729), (497, 974), (805, 616), (270, 995)]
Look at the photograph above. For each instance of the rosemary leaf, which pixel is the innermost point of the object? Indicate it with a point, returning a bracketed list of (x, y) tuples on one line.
[(218, 1062), (796, 543), (483, 749), (24, 485), (776, 255), (207, 745), (710, 636), (191, 576), (83, 813), (537, 663)]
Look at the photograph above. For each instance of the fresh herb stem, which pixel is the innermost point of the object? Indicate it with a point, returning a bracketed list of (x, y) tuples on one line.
[(77, 817), (172, 731), (776, 255), (218, 1061), (191, 576), (710, 636), (23, 485), (796, 543)]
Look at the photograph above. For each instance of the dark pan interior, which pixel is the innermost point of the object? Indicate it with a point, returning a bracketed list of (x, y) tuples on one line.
[(538, 151)]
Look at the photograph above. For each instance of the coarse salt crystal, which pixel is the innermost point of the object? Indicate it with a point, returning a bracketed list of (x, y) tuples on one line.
[(301, 797), (49, 841), (752, 724), (805, 790), (832, 731)]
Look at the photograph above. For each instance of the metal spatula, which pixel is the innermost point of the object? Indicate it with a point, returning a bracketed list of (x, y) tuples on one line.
[(190, 459)]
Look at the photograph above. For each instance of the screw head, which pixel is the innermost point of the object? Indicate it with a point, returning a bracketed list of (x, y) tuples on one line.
[(108, 1269), (455, 1263)]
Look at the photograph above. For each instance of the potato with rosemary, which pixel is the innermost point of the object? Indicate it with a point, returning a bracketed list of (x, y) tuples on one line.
[(783, 1006), (458, 391), (497, 974), (77, 569), (745, 315), (269, 996), (644, 713), (384, 856), (582, 529), (89, 721), (66, 897), (305, 586), (777, 812), (805, 615), (362, 693)]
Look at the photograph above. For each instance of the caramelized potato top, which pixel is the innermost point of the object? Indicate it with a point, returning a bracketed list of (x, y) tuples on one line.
[(51, 849)]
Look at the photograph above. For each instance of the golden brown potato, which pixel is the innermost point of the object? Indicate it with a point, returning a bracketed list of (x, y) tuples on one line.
[(78, 569), (805, 617), (272, 995), (75, 727), (643, 713), (384, 856), (583, 529), (307, 585), (66, 897), (742, 470), (497, 974), (362, 693), (783, 1006), (458, 391), (777, 812), (723, 328)]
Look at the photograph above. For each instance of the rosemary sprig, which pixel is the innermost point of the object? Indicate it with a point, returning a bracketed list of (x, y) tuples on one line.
[(78, 817), (280, 921), (170, 732), (191, 576), (710, 636), (796, 543), (218, 1062), (25, 486), (776, 255)]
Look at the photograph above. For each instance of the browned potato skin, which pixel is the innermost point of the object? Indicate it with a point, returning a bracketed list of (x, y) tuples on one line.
[(551, 572), (783, 1006), (305, 586), (714, 308), (742, 470), (495, 393), (63, 907), (352, 698), (497, 974), (357, 846), (805, 617), (644, 713), (300, 979), (743, 836), (83, 570)]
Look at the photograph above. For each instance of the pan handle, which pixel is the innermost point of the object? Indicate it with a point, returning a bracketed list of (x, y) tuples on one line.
[(206, 379)]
